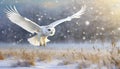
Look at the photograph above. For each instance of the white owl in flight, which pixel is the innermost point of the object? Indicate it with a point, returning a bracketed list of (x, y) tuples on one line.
[(42, 32)]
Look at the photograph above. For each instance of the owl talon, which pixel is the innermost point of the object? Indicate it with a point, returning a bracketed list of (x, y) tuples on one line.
[(44, 45), (40, 44)]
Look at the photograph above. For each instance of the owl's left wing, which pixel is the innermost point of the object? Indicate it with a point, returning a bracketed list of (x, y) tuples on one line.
[(69, 18), (21, 21)]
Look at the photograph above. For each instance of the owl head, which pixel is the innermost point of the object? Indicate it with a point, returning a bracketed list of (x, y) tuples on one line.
[(48, 31)]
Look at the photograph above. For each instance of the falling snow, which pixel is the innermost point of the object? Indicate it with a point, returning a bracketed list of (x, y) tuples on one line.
[(15, 36), (83, 37), (39, 19), (102, 28), (98, 19), (3, 32), (87, 23), (84, 32), (119, 29), (97, 34), (74, 8), (68, 31), (41, 16), (101, 18)]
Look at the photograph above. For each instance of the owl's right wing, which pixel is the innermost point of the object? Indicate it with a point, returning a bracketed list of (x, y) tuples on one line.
[(69, 18), (23, 22)]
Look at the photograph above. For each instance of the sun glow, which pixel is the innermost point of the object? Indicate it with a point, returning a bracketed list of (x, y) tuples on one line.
[(50, 4), (109, 8)]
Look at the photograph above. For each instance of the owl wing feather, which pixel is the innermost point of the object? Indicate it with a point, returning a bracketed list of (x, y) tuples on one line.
[(23, 22), (69, 18)]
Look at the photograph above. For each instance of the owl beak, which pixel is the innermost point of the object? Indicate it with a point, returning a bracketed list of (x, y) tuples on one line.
[(51, 32)]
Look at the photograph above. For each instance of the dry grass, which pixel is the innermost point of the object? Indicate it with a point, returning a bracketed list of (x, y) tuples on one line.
[(82, 56), (1, 56)]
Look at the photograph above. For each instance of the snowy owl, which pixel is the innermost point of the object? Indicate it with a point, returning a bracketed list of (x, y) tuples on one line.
[(42, 32)]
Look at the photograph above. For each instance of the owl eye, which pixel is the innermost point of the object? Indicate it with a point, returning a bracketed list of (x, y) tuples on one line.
[(49, 29)]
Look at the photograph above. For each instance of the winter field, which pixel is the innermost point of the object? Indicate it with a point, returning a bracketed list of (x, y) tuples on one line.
[(94, 23), (60, 56)]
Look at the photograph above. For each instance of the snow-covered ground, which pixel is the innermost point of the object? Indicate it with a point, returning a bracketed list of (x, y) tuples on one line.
[(55, 64), (58, 62)]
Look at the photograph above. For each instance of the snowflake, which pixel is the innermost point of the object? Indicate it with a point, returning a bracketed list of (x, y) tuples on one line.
[(112, 13), (97, 27), (87, 23), (101, 33), (45, 14), (76, 29), (20, 40), (113, 32), (3, 32), (119, 28), (65, 36), (16, 1), (72, 0), (54, 18), (91, 8), (74, 8), (15, 36), (100, 13), (84, 32), (96, 11), (39, 19), (41, 16), (50, 18), (56, 1), (102, 28), (30, 34), (97, 34), (37, 15), (77, 23), (83, 37), (68, 31)]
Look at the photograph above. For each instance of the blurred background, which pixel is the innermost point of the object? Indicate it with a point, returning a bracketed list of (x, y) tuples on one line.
[(101, 21)]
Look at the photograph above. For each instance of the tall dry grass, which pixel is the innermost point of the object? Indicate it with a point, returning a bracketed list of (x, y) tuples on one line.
[(84, 57), (1, 56)]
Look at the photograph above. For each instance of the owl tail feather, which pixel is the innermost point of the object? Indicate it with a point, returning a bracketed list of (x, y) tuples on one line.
[(35, 40)]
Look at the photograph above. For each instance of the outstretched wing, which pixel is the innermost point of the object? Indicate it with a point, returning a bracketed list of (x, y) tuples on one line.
[(23, 22), (69, 18)]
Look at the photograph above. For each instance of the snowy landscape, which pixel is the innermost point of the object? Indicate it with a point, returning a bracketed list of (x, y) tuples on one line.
[(60, 56), (88, 38)]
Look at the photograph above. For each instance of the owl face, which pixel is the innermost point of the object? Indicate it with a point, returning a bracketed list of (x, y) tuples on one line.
[(47, 31), (51, 31)]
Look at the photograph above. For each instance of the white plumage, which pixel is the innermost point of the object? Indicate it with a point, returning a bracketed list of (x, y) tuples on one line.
[(42, 31)]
